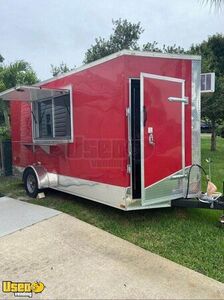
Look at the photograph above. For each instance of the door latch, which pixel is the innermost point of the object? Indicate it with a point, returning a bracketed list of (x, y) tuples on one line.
[(176, 99), (151, 137)]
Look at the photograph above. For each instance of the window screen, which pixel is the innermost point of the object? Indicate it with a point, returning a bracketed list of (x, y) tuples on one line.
[(62, 116), (45, 119), (53, 118)]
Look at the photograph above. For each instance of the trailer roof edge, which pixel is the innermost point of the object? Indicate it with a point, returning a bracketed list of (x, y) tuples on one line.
[(117, 54)]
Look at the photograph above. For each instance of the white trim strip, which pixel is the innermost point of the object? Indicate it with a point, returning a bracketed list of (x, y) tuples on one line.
[(142, 137), (183, 128), (165, 78)]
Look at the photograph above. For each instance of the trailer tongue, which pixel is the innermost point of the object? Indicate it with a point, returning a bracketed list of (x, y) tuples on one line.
[(197, 203), (209, 200)]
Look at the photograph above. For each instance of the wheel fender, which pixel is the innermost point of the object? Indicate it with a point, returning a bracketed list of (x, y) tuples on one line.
[(44, 179)]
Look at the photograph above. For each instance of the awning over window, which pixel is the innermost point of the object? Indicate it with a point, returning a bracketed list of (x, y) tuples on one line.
[(31, 93)]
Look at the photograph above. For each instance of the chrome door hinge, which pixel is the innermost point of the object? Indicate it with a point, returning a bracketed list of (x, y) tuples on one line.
[(127, 111), (129, 169)]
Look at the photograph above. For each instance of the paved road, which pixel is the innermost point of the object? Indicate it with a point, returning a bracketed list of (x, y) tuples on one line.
[(78, 261)]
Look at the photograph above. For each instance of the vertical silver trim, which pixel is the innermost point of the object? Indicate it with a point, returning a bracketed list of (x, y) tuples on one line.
[(183, 128), (53, 120), (33, 126), (142, 137), (70, 87), (196, 122), (196, 111)]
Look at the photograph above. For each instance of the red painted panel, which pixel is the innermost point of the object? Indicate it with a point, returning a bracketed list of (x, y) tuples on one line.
[(164, 117), (100, 97), (99, 152), (21, 128), (178, 68)]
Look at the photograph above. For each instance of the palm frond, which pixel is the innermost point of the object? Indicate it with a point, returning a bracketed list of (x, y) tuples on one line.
[(216, 4)]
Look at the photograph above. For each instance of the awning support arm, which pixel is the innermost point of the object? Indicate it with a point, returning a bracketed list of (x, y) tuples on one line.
[(35, 120)]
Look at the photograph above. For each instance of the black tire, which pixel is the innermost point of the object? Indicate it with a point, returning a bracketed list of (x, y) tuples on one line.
[(30, 183)]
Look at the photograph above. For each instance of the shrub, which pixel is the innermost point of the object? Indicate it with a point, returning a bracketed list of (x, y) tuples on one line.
[(4, 133)]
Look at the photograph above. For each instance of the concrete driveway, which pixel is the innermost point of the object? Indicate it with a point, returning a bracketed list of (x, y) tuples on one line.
[(16, 215), (78, 261)]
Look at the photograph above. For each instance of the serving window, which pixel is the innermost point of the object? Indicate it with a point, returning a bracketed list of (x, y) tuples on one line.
[(52, 118)]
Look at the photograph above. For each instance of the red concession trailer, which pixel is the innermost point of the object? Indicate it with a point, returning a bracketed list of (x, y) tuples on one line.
[(123, 130)]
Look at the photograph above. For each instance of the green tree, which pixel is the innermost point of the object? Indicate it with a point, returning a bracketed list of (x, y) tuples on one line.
[(153, 47), (61, 69), (212, 52), (11, 75), (125, 36)]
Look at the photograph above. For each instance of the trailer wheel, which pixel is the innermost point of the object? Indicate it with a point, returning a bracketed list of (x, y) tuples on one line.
[(30, 183)]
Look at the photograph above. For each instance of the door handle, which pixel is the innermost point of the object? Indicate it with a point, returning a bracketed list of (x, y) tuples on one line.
[(151, 140), (151, 137)]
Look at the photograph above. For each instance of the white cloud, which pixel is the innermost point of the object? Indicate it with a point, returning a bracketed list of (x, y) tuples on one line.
[(46, 32)]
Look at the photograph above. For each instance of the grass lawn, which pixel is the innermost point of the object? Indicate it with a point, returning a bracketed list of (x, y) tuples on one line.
[(189, 237)]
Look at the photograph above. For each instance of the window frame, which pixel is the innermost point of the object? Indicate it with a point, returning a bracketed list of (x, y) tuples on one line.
[(212, 82), (35, 123)]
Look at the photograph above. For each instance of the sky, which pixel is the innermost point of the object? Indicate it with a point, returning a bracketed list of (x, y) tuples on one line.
[(45, 32)]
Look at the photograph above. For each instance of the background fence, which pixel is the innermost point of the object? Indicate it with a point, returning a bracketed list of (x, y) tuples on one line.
[(6, 158)]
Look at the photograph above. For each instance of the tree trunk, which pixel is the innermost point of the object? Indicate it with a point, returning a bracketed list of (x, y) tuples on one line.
[(6, 117), (213, 138)]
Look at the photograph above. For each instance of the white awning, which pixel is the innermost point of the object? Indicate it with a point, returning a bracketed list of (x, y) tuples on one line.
[(31, 93)]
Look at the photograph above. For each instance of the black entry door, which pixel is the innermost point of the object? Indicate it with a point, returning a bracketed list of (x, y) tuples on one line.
[(135, 139)]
